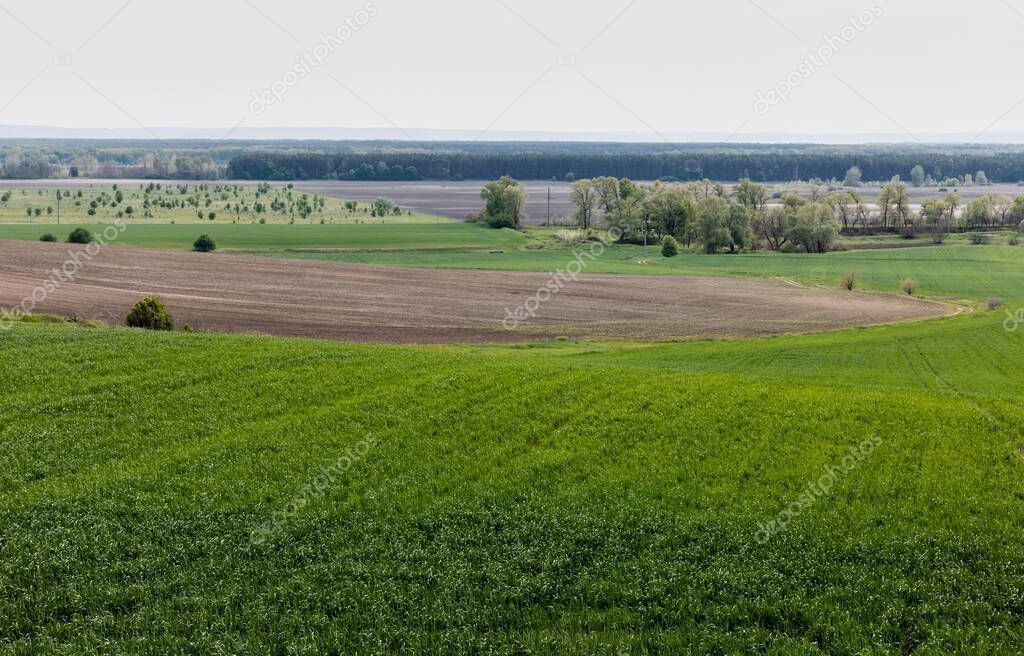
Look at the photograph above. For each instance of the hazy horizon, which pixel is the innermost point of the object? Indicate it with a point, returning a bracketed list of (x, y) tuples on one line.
[(633, 70)]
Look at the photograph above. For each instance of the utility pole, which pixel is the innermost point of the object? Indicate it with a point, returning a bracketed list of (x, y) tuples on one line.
[(549, 207), (646, 228), (58, 207)]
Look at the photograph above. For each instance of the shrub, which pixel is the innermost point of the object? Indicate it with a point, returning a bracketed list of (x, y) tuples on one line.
[(909, 287), (80, 236), (204, 244), (979, 239), (849, 281), (909, 231), (150, 313), (995, 303), (48, 237), (669, 246), (1014, 241)]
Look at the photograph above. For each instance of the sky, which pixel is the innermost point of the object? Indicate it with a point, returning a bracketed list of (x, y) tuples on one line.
[(738, 70)]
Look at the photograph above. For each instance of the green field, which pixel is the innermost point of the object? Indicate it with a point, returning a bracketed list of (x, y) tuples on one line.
[(206, 493), (272, 238), (978, 272), (568, 498)]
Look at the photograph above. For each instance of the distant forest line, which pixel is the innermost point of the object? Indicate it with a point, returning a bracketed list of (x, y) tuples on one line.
[(683, 167), (410, 160)]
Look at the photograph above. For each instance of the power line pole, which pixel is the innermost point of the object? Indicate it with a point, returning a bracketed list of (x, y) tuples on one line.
[(549, 207), (58, 207)]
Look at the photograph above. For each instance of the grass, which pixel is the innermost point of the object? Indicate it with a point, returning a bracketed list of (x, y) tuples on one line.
[(569, 498), (976, 272), (552, 498), (272, 238)]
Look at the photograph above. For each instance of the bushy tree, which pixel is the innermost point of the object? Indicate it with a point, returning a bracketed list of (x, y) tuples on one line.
[(713, 224), (770, 226), (894, 202), (504, 200), (853, 177), (917, 176), (670, 209), (80, 236), (628, 213), (585, 197), (150, 313), (738, 225), (204, 244), (669, 246), (814, 228), (751, 195), (382, 207)]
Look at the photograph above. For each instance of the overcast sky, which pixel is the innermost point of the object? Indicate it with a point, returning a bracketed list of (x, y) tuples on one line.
[(909, 68)]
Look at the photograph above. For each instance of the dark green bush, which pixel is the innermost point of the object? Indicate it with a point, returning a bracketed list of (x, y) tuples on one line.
[(80, 236), (204, 244), (48, 237), (669, 246), (150, 313)]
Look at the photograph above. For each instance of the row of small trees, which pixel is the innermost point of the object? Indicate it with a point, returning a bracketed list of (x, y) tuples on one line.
[(919, 178)]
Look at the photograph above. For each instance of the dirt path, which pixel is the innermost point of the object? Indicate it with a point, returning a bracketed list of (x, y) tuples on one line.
[(392, 305)]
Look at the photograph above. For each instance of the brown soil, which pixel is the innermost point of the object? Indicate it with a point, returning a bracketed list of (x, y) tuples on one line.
[(391, 305)]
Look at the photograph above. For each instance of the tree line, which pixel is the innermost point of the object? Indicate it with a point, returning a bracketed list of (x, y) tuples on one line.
[(669, 167), (709, 215)]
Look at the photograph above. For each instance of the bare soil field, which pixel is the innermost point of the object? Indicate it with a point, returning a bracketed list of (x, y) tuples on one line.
[(391, 305)]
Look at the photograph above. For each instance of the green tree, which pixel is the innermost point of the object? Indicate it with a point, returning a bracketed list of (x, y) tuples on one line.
[(894, 201), (980, 212), (738, 225), (917, 176), (853, 177), (814, 228), (585, 197), (381, 207), (670, 210), (713, 224), (150, 313), (669, 246), (204, 244), (607, 190), (504, 200), (771, 225), (80, 236), (751, 195)]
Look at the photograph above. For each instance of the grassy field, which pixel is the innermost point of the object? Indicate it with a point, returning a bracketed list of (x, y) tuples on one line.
[(274, 238), (193, 492), (978, 272), (566, 498), (209, 202)]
